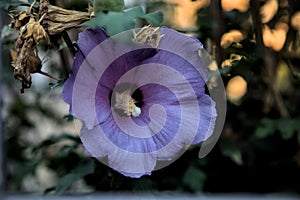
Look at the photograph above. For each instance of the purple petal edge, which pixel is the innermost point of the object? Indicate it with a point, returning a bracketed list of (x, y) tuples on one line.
[(87, 41)]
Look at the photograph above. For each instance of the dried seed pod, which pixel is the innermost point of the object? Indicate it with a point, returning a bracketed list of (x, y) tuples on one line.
[(58, 19)]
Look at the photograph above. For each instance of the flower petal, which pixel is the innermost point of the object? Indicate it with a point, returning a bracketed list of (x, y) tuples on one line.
[(208, 115), (185, 47), (127, 163), (87, 41), (175, 111)]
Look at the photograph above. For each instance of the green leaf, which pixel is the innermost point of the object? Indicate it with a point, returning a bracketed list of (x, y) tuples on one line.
[(57, 138), (296, 74), (194, 179), (155, 18), (113, 22), (65, 182), (286, 127), (117, 22), (144, 184), (108, 5), (25, 168), (266, 128), (232, 151)]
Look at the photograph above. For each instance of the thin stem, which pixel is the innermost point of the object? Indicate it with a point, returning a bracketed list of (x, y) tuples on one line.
[(269, 60), (49, 75), (270, 79), (216, 11), (32, 6), (69, 43)]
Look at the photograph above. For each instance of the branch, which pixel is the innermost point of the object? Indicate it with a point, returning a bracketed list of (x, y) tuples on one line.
[(69, 43), (269, 60), (216, 12)]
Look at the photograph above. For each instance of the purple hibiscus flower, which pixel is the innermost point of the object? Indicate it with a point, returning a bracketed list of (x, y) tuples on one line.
[(141, 97)]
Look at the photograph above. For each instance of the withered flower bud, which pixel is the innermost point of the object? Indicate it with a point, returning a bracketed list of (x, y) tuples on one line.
[(35, 30), (34, 27), (21, 62), (58, 19), (27, 62), (19, 20)]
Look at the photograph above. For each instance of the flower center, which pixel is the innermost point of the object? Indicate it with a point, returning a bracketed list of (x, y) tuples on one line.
[(126, 104)]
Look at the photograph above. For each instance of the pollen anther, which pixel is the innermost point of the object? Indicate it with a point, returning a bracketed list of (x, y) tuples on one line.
[(126, 103)]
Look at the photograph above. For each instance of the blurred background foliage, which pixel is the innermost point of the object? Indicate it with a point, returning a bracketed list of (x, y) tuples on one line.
[(256, 45)]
